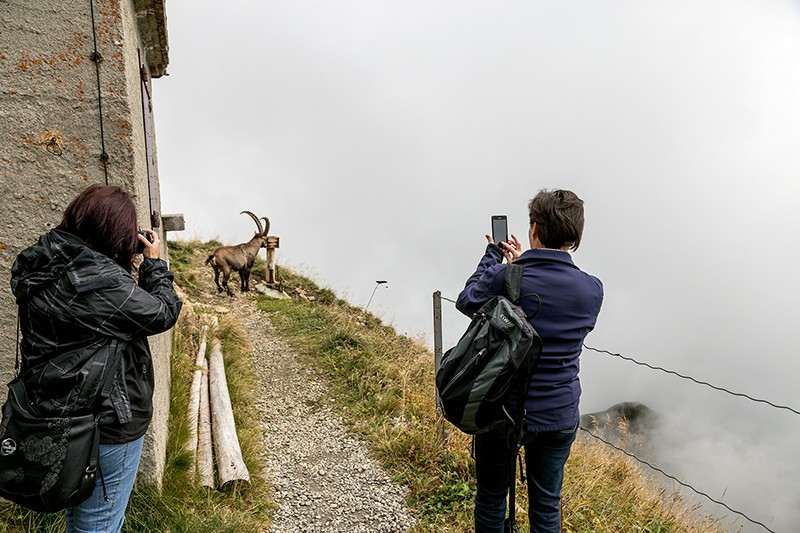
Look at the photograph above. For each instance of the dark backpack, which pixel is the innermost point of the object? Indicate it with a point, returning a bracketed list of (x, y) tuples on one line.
[(475, 375)]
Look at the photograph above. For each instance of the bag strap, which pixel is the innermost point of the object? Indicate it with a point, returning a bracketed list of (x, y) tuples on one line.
[(16, 359), (512, 287), (111, 371), (107, 383), (512, 282), (511, 525)]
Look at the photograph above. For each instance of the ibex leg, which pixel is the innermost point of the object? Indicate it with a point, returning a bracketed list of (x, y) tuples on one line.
[(225, 276), (216, 279), (244, 276)]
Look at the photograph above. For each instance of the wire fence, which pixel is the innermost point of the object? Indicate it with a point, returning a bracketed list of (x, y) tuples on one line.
[(695, 380), (685, 377), (675, 479)]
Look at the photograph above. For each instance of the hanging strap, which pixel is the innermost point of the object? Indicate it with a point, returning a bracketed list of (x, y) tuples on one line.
[(512, 282), (108, 379), (105, 391), (511, 520), (16, 360), (512, 286)]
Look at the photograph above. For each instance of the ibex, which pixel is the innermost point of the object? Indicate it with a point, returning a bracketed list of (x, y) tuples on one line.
[(239, 258)]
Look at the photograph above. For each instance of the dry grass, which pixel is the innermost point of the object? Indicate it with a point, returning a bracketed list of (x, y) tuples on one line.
[(384, 387), (182, 505), (605, 490)]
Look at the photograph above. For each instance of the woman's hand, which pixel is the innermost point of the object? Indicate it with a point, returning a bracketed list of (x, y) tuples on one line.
[(151, 249), (512, 249)]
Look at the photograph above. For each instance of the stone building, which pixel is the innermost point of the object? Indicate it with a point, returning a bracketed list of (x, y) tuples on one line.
[(75, 109)]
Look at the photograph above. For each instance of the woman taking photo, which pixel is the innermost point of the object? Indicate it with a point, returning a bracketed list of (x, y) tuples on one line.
[(78, 303), (564, 312)]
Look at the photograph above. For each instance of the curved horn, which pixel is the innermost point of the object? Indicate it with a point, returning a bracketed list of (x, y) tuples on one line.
[(255, 218), (266, 225)]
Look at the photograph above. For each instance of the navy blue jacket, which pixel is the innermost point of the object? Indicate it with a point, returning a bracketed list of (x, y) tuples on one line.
[(570, 303)]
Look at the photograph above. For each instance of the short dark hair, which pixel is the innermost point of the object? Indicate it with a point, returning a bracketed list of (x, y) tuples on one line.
[(559, 216), (104, 217)]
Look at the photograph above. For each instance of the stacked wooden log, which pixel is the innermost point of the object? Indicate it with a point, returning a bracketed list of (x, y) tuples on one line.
[(212, 430)]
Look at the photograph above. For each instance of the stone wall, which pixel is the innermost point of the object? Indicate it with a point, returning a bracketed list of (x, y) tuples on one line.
[(51, 97)]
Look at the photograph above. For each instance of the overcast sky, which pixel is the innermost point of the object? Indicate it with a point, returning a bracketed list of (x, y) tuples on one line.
[(379, 137)]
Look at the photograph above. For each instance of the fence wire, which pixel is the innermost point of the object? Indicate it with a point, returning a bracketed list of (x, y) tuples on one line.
[(698, 382), (675, 479), (686, 377), (694, 380)]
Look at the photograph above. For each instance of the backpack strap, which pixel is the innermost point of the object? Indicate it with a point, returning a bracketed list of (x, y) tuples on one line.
[(512, 286), (512, 282), (16, 359)]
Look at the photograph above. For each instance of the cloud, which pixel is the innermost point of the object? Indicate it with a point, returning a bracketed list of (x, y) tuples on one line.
[(379, 139)]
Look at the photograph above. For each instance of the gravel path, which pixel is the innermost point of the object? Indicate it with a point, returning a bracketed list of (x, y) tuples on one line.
[(323, 478)]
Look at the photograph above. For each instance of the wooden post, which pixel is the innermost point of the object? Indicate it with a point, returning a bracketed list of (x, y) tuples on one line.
[(272, 244), (205, 454), (194, 393), (230, 465), (437, 360)]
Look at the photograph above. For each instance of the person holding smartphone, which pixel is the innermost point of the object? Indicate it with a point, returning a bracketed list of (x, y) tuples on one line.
[(570, 304)]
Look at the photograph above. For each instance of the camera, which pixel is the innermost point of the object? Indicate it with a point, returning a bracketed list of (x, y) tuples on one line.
[(140, 244)]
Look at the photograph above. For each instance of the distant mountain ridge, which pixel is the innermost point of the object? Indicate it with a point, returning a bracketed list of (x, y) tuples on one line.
[(624, 421)]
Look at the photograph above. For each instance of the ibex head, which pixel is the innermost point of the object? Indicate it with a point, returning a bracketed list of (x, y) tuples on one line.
[(262, 231)]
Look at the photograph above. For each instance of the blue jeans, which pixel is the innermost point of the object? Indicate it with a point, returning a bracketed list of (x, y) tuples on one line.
[(118, 464), (546, 453)]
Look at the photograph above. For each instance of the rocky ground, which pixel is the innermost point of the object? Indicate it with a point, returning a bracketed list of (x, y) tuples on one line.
[(322, 476)]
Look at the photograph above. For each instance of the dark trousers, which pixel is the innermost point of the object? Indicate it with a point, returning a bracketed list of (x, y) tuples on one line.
[(546, 453)]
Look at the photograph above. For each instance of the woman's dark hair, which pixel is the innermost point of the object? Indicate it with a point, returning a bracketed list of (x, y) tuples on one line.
[(559, 216), (104, 217)]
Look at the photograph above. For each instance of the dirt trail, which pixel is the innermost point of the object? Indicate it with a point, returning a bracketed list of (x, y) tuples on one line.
[(322, 476)]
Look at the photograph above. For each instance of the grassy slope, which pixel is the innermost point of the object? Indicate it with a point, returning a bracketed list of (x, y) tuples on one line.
[(383, 384), (383, 387)]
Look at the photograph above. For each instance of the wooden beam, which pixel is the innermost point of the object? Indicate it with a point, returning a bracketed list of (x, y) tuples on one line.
[(205, 454), (194, 393), (230, 465)]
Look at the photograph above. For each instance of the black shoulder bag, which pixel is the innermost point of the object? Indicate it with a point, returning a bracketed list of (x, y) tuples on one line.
[(48, 463)]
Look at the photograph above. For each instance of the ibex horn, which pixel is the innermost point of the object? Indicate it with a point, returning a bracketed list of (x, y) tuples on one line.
[(255, 218), (266, 225)]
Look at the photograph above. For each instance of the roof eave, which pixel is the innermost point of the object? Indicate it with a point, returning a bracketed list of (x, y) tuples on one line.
[(151, 16)]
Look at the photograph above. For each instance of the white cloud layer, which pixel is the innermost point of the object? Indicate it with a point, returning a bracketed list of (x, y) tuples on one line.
[(379, 137)]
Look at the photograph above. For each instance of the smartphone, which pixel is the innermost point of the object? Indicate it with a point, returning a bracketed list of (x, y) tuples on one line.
[(499, 229)]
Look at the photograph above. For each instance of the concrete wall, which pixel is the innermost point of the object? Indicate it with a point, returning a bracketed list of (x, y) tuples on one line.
[(50, 133)]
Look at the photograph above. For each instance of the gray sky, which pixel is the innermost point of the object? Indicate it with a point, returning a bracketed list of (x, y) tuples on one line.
[(379, 138)]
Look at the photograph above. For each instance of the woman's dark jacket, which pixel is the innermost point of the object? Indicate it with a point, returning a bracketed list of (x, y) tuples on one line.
[(570, 304), (79, 311)]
